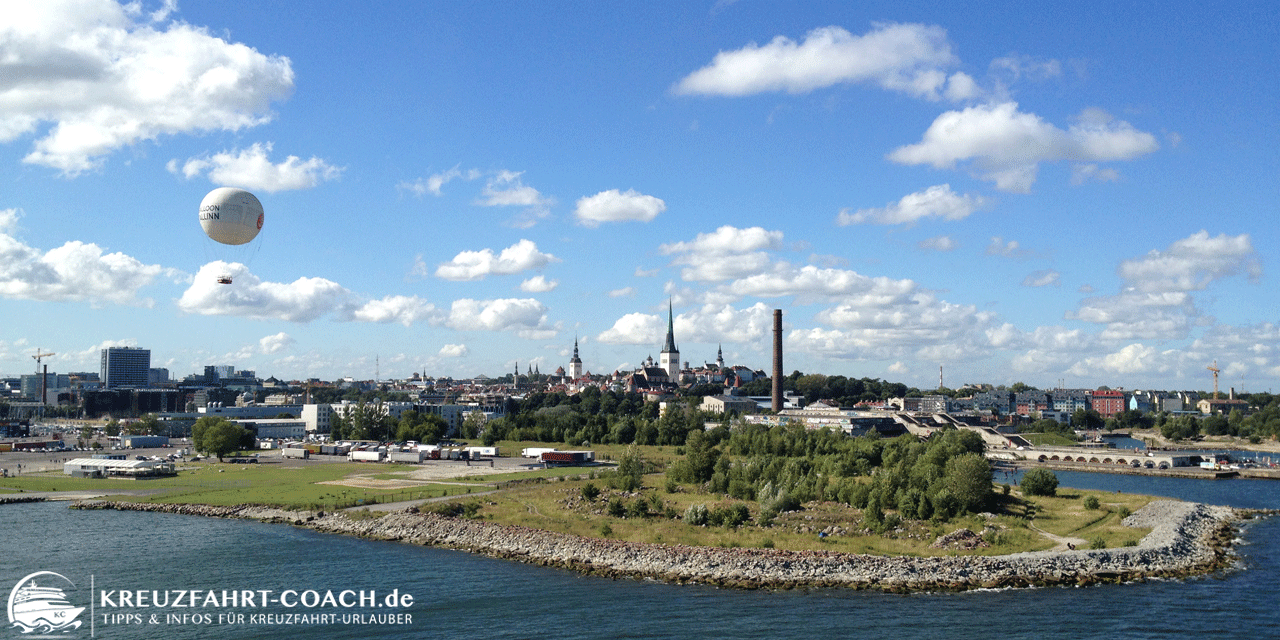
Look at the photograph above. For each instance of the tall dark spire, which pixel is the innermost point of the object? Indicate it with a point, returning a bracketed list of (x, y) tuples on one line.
[(670, 346)]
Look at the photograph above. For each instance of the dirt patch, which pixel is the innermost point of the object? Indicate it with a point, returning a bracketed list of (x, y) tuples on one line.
[(364, 482)]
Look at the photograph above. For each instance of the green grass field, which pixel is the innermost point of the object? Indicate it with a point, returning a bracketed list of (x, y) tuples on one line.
[(553, 501), (230, 484)]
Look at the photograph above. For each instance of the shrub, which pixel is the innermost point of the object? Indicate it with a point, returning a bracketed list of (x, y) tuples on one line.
[(696, 515), (606, 530), (1040, 482), (638, 509), (616, 508), (1091, 502), (1098, 543), (1124, 512), (590, 491), (767, 543)]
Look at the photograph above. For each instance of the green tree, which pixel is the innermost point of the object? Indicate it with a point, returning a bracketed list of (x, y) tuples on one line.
[(968, 477), (217, 436), (1087, 419), (630, 470), (1040, 482)]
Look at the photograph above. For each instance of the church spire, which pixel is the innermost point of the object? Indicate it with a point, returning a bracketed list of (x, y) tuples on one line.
[(670, 346)]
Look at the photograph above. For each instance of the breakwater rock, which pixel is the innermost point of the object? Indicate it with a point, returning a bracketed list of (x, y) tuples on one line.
[(1187, 538), (20, 499)]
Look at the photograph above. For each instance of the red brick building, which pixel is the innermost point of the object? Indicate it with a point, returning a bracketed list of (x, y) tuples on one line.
[(1107, 403)]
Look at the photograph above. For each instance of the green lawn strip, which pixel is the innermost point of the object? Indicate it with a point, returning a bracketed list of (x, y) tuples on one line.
[(1049, 440), (231, 484), (1065, 515)]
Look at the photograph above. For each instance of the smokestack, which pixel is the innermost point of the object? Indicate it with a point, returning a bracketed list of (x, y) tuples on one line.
[(777, 360)]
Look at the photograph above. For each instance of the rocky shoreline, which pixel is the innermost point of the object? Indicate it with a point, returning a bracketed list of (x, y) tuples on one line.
[(1186, 539)]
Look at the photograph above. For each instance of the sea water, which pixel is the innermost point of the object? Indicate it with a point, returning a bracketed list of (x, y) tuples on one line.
[(459, 595)]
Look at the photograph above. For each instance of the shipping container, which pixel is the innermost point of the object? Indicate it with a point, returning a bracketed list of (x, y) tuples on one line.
[(365, 456), (413, 457), (293, 452)]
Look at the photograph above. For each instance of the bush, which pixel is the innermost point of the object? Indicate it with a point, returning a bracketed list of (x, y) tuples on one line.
[(1040, 482), (606, 530), (696, 515), (590, 491), (1091, 502), (1098, 543), (638, 509), (1124, 512), (616, 508)]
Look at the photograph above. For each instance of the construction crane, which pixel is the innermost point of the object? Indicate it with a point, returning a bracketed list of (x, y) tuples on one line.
[(40, 355), (1214, 368), (44, 376)]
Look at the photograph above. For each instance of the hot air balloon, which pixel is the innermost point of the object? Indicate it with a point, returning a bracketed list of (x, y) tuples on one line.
[(230, 216)]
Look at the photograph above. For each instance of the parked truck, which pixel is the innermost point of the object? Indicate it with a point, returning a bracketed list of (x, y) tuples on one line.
[(365, 456), (413, 457), (295, 452)]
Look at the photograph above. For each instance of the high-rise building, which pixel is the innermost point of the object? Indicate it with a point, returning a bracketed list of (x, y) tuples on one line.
[(125, 367)]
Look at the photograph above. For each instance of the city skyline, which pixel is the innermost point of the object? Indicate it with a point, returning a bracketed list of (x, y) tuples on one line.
[(1080, 196)]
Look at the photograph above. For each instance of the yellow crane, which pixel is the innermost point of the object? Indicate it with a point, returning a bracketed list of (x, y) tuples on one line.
[(1214, 368), (40, 355)]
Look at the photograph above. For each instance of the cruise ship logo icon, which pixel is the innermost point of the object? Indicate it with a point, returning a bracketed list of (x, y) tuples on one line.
[(38, 604)]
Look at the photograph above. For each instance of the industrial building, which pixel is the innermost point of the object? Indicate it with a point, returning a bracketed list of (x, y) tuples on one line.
[(104, 468)]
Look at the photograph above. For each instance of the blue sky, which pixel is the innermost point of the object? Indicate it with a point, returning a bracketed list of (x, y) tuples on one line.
[(1081, 195)]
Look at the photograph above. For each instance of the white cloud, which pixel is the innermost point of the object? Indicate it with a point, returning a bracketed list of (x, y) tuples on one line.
[(625, 292), (275, 343), (1016, 67), (616, 206), (646, 273), (435, 182), (103, 81), (938, 243), (725, 323), (1082, 173), (475, 265), (507, 190), (1042, 278), (634, 328), (252, 169), (913, 324), (1133, 358), (726, 253), (1010, 249), (406, 310), (454, 351), (498, 315), (76, 271), (539, 284), (302, 300), (1192, 263), (899, 57), (1156, 301), (938, 201), (809, 284), (1006, 146)]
